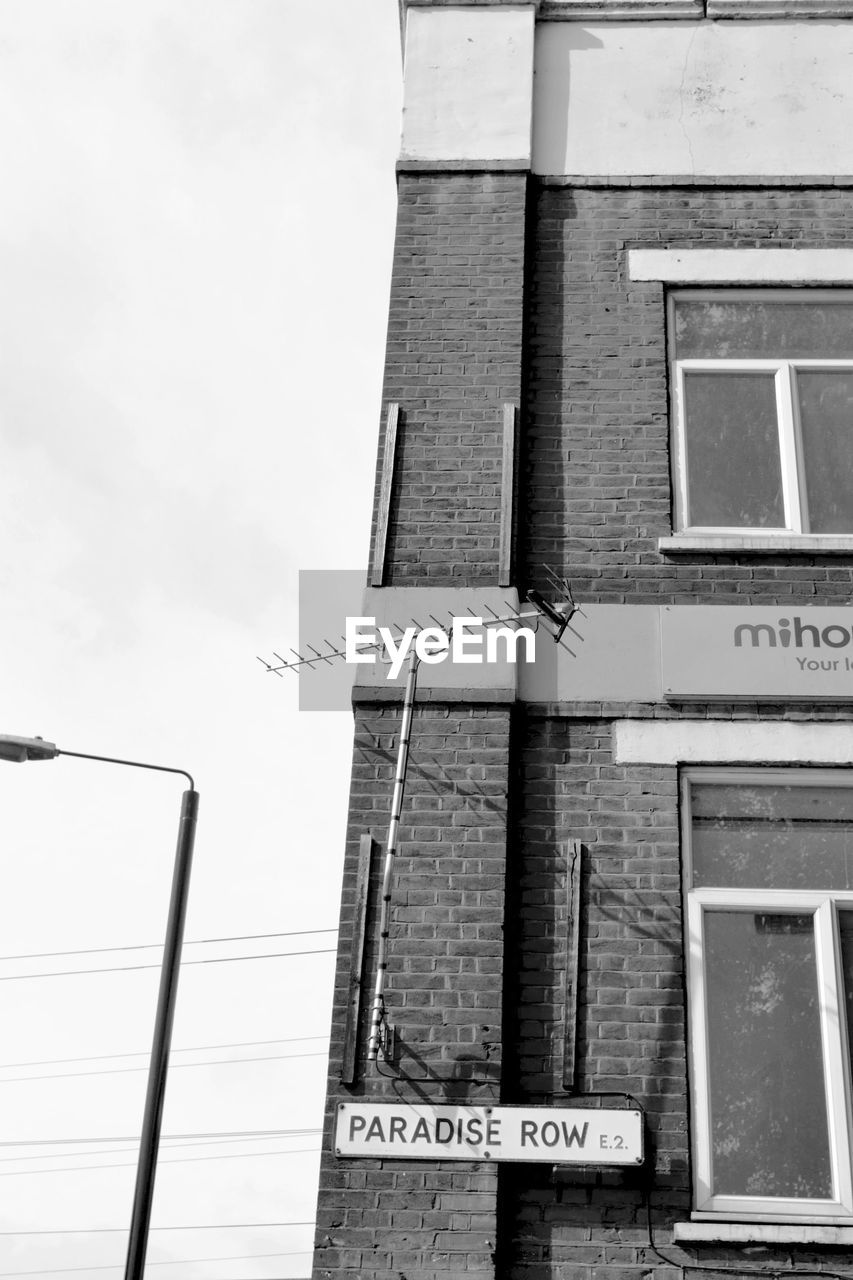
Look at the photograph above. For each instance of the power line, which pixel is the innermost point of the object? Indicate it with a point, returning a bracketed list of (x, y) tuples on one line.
[(203, 1142), (148, 946), (189, 1048), (169, 1262), (204, 1226), (68, 1142), (130, 968), (84, 1168), (174, 1066)]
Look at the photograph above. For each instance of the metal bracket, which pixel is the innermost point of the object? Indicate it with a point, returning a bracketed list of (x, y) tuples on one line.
[(387, 1047)]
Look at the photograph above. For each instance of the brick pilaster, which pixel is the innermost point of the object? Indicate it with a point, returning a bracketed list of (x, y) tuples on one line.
[(425, 1220), (454, 358)]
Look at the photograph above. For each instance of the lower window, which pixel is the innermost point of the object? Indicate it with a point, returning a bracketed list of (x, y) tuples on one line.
[(769, 892)]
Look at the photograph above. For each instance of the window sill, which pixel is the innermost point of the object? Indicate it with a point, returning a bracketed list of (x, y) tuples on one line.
[(778, 544), (759, 1233)]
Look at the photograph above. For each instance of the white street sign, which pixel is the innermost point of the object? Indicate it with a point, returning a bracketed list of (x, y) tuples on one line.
[(552, 1135)]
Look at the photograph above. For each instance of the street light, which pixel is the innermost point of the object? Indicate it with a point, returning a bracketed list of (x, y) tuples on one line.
[(19, 750)]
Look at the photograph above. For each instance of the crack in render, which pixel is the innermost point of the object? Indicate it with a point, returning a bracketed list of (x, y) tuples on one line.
[(681, 123)]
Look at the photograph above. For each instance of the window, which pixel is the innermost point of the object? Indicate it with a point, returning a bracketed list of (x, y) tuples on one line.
[(763, 398), (769, 896)]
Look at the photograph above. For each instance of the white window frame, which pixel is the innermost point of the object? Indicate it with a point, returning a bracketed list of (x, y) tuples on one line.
[(825, 906), (787, 416)]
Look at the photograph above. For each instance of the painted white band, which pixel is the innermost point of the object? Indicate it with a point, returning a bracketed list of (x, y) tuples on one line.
[(468, 84), (782, 543), (731, 742), (716, 1232), (742, 266)]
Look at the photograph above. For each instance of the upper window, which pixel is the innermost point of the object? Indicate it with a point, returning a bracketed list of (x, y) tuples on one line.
[(769, 894), (763, 395)]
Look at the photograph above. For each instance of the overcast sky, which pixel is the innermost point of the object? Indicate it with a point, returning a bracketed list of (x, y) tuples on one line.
[(196, 233)]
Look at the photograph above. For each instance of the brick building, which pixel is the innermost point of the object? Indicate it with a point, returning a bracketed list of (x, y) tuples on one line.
[(620, 346)]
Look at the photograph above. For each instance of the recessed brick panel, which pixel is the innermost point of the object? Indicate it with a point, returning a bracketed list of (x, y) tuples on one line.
[(454, 358), (597, 491)]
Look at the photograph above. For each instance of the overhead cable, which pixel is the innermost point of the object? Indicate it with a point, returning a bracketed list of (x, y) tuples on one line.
[(173, 1066), (204, 1226), (149, 946), (129, 968), (168, 1262), (139, 1053), (68, 1142), (202, 1142), (84, 1168)]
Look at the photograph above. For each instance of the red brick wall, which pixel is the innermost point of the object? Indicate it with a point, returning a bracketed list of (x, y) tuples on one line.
[(454, 357), (478, 950), (597, 417), (630, 1025), (444, 991), (592, 1225)]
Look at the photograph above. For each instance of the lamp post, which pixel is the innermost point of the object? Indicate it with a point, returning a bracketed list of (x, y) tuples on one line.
[(19, 750)]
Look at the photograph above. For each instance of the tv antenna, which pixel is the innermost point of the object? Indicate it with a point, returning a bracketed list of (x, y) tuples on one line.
[(554, 615)]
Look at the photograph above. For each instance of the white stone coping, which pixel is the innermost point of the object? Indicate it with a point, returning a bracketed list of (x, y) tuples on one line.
[(779, 9), (625, 10), (619, 10), (780, 544), (742, 266), (672, 742), (713, 1232)]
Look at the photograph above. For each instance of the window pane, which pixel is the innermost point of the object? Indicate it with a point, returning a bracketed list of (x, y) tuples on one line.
[(781, 329), (826, 422), (772, 837), (769, 1129), (845, 920), (734, 475)]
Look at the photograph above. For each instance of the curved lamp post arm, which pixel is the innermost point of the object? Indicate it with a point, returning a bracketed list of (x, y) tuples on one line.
[(134, 764), (18, 750)]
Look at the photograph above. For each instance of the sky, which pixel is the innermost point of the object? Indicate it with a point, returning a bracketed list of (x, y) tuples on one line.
[(195, 239)]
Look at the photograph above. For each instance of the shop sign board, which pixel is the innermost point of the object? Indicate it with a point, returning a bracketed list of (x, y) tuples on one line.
[(552, 1135), (785, 652)]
